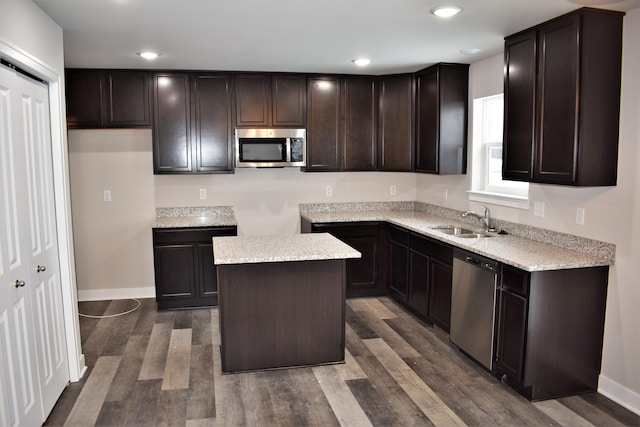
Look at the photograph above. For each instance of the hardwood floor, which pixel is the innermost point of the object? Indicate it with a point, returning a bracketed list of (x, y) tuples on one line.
[(163, 368)]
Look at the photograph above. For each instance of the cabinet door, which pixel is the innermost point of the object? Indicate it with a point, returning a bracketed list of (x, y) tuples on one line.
[(175, 267), (207, 281), (171, 124), (213, 142), (127, 98), (360, 123), (289, 100), (441, 115), (252, 92), (441, 276), (84, 96), (418, 292), (519, 107), (559, 59), (324, 124), (428, 125), (395, 123), (511, 335)]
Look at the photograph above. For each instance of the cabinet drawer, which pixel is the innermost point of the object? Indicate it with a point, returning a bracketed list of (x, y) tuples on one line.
[(399, 235), (515, 280), (431, 248), (190, 235), (348, 229)]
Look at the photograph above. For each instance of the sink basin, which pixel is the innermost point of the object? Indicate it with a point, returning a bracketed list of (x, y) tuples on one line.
[(461, 232), (474, 235), (456, 231)]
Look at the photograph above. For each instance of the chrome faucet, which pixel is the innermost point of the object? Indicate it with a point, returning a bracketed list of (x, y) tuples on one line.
[(486, 218)]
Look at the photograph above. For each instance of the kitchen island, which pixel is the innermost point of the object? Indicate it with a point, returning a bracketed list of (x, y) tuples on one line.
[(281, 300)]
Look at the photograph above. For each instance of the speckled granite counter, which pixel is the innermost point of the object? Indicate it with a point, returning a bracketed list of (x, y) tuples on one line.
[(299, 247), (511, 249), (207, 216)]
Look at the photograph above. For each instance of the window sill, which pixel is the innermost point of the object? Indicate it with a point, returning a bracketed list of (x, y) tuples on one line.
[(518, 202)]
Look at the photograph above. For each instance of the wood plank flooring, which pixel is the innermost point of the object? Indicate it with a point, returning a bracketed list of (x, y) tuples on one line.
[(162, 368)]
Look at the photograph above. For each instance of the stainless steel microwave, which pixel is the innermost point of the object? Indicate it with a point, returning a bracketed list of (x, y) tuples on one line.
[(270, 148)]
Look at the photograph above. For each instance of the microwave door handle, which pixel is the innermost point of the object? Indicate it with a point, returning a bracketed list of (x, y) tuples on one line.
[(288, 149)]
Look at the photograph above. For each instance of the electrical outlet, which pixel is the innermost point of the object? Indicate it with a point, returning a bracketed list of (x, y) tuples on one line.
[(107, 195), (328, 191), (393, 190), (580, 216), (203, 193), (538, 209), (445, 193)]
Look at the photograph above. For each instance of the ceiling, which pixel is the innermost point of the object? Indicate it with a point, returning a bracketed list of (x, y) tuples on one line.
[(293, 35)]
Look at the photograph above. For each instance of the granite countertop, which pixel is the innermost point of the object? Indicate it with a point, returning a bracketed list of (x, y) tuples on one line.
[(206, 216), (298, 247), (516, 251)]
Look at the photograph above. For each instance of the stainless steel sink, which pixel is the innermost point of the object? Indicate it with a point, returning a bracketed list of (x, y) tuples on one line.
[(461, 232), (456, 231), (474, 235)]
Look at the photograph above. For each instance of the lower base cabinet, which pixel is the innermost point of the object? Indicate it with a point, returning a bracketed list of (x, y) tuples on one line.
[(366, 276), (550, 329), (421, 274), (183, 262)]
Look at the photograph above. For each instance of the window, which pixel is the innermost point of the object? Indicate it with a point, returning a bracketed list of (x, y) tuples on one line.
[(487, 183)]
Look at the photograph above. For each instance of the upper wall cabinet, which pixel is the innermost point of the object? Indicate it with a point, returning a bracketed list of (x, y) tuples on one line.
[(441, 119), (107, 98), (341, 123), (562, 100), (270, 100), (395, 122), (192, 126)]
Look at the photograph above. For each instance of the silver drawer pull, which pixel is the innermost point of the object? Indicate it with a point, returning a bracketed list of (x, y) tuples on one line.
[(19, 283), (40, 268)]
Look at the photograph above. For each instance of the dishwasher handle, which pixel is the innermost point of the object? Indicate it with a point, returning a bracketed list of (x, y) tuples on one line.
[(478, 261)]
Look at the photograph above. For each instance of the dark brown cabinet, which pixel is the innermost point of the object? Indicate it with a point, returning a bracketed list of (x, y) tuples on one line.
[(192, 129), (366, 276), (270, 100), (107, 98), (550, 328), (562, 100), (183, 263), (341, 123), (441, 119), (360, 118), (395, 122), (324, 124), (421, 274)]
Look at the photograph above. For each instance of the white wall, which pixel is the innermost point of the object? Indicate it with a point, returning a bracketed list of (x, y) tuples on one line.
[(612, 214), (113, 240)]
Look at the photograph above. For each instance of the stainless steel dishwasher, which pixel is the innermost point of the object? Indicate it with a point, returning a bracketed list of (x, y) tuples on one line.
[(473, 305)]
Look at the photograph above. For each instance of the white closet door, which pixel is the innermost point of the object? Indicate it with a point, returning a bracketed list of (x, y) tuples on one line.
[(33, 366)]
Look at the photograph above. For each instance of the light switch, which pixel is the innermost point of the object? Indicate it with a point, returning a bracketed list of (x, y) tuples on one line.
[(580, 216), (203, 193), (538, 209)]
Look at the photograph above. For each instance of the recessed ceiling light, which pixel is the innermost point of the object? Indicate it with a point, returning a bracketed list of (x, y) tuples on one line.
[(149, 55), (446, 11), (471, 51), (362, 62)]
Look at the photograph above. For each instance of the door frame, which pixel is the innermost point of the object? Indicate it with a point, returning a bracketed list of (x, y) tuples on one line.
[(60, 162)]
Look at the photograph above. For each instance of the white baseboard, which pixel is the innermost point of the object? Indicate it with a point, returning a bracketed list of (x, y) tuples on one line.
[(121, 293), (619, 394)]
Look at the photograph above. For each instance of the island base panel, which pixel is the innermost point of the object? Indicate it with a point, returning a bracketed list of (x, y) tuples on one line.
[(275, 315)]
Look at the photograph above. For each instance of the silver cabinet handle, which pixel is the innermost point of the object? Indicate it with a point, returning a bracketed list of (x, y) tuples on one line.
[(19, 283), (40, 268)]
